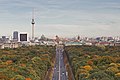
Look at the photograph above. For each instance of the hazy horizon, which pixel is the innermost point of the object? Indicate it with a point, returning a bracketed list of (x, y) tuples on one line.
[(64, 18)]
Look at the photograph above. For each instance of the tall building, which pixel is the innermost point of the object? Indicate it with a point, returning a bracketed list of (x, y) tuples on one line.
[(33, 25), (78, 38), (4, 39), (23, 36), (57, 39), (15, 35)]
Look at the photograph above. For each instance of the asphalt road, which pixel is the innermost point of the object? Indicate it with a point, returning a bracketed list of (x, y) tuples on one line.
[(59, 68)]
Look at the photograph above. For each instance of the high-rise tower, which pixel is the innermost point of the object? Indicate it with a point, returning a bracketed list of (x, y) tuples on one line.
[(33, 25), (15, 35)]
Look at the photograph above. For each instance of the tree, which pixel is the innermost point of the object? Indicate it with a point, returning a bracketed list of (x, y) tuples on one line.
[(18, 77), (100, 75)]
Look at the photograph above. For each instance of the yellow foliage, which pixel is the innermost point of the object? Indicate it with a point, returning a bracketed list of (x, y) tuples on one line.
[(113, 69), (12, 79), (118, 74), (88, 68), (82, 71), (113, 64), (118, 64), (43, 58)]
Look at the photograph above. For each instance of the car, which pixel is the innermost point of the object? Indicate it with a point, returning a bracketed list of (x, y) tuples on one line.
[(63, 73)]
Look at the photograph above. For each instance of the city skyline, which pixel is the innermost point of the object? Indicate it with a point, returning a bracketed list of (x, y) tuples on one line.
[(64, 18)]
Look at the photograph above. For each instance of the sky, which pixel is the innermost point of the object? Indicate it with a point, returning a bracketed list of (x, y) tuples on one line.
[(65, 18)]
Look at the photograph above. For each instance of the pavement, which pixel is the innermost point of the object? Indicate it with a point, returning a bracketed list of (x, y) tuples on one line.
[(59, 67)]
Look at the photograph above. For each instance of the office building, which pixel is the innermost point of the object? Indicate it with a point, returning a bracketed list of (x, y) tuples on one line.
[(23, 37), (15, 35)]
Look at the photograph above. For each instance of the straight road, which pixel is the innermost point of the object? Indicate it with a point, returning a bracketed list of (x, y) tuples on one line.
[(59, 68)]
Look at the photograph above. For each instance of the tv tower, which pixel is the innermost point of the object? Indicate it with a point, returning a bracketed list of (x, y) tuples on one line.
[(33, 24)]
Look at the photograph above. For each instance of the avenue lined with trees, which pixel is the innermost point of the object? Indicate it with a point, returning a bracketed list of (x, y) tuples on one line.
[(35, 62)]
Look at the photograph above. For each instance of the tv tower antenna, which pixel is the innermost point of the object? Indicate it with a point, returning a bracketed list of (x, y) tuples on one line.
[(33, 24)]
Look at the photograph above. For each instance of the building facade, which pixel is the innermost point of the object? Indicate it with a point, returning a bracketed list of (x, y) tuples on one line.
[(15, 35)]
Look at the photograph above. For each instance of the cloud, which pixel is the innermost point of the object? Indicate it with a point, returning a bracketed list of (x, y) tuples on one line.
[(64, 17)]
